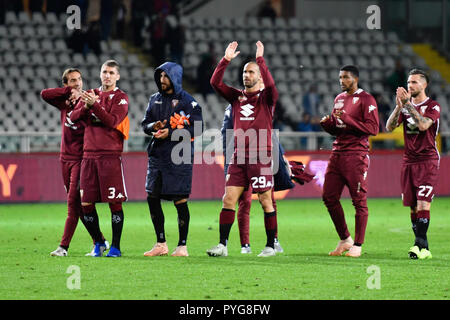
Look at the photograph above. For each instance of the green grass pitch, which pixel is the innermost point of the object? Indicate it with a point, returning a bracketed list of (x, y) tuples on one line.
[(29, 232)]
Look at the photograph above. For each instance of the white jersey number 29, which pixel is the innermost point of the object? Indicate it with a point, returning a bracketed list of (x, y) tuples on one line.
[(260, 182)]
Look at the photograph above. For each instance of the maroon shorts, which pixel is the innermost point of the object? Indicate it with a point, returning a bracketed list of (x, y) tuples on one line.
[(258, 176), (346, 170), (418, 181), (102, 180)]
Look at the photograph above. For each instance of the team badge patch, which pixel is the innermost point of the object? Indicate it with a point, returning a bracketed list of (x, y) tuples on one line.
[(355, 100), (242, 98), (423, 109)]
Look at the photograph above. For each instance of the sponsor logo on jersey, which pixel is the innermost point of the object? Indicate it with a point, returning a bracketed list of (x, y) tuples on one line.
[(68, 123), (123, 101), (95, 119), (411, 126), (340, 123), (436, 107), (246, 111), (175, 102), (339, 104), (371, 108)]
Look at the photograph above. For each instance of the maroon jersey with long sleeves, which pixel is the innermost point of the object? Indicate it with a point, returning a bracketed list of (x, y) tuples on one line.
[(71, 134), (421, 145), (358, 121), (102, 136), (252, 112)]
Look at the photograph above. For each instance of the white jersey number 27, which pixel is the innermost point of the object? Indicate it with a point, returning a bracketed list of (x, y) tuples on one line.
[(422, 191)]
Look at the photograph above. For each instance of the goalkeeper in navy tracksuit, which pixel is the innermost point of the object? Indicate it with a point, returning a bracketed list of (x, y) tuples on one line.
[(169, 110), (282, 180)]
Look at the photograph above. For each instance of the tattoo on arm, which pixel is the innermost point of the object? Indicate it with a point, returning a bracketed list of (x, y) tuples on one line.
[(392, 122), (417, 117)]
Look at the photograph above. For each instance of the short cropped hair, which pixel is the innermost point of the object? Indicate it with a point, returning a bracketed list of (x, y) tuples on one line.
[(420, 72), (66, 72), (112, 63), (353, 69)]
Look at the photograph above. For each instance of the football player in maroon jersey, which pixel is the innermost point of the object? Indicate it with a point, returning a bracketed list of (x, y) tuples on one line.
[(353, 119), (419, 115), (252, 110), (105, 111), (65, 99)]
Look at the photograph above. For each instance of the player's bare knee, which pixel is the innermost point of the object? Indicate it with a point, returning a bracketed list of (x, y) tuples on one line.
[(423, 205), (265, 200), (267, 207), (229, 200)]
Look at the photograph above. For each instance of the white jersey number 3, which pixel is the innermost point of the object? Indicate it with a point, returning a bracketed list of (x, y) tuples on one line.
[(112, 193)]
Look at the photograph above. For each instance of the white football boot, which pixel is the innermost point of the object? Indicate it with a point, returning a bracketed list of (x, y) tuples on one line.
[(267, 252), (218, 251), (245, 249), (277, 246), (59, 252)]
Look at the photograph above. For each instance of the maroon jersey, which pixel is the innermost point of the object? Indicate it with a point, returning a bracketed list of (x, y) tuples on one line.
[(252, 112), (420, 145), (104, 120), (71, 134), (358, 121)]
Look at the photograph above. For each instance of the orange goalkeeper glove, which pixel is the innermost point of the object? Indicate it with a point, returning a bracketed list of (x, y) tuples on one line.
[(179, 120)]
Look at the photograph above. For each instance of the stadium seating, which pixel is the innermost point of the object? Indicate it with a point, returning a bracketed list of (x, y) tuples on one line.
[(33, 54), (300, 52)]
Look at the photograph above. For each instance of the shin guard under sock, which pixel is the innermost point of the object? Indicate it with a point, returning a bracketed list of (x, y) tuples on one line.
[(91, 223), (226, 220), (157, 216), (270, 223), (423, 221), (117, 226), (183, 222)]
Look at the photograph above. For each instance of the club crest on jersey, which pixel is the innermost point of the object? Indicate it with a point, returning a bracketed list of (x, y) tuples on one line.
[(175, 103), (423, 109), (339, 104), (355, 100), (242, 98), (246, 111), (111, 96)]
